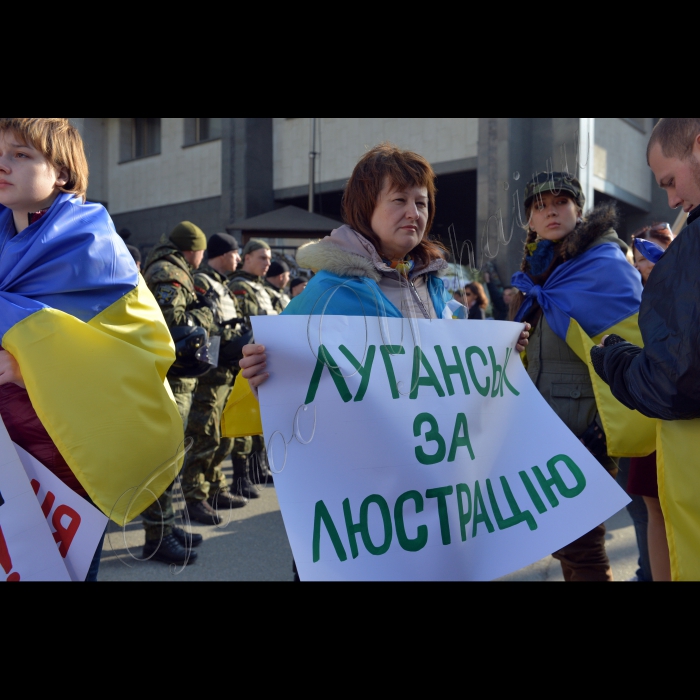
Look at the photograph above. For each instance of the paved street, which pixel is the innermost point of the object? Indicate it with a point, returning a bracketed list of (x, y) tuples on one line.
[(621, 546), (250, 546), (253, 546)]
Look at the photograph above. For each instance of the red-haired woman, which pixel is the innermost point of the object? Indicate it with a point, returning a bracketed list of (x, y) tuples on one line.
[(382, 258), (476, 300)]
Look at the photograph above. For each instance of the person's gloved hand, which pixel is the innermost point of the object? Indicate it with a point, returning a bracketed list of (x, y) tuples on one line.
[(206, 299), (598, 353), (594, 441), (232, 351)]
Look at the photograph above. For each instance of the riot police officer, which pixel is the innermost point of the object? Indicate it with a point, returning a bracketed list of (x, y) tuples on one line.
[(248, 286), (202, 477), (168, 273), (276, 279)]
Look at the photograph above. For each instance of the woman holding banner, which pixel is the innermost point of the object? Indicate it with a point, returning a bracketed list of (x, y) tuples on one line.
[(382, 261), (575, 283)]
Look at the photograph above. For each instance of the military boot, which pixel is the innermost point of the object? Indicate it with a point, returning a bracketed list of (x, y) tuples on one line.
[(258, 470), (169, 551), (224, 500), (242, 485), (202, 512), (187, 539)]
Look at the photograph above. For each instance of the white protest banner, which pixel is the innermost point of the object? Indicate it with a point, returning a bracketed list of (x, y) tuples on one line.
[(430, 455), (27, 548), (76, 525)]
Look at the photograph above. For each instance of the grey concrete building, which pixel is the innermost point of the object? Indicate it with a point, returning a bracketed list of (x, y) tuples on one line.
[(152, 173)]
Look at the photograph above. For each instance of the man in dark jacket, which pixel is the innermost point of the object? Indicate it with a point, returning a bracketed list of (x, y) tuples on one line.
[(662, 379)]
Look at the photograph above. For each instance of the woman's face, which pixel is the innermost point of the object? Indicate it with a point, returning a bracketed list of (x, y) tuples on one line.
[(643, 265), (553, 218), (399, 219)]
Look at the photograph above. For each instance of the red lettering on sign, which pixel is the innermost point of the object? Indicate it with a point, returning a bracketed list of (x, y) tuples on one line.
[(47, 505), (5, 559), (49, 499), (64, 535)]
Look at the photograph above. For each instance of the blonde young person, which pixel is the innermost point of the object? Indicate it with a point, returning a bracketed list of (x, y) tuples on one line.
[(84, 346), (574, 269)]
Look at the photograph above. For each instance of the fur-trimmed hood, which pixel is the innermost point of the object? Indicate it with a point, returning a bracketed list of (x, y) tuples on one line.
[(348, 254), (602, 221)]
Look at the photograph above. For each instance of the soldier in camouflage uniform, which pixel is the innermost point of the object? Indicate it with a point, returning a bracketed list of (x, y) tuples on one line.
[(276, 279), (248, 286), (168, 273), (202, 477)]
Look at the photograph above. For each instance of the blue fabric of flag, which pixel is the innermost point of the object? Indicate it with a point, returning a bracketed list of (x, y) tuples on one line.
[(598, 288), (650, 250), (331, 294), (71, 260)]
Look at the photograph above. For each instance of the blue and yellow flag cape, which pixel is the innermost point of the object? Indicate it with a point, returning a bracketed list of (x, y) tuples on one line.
[(595, 294), (94, 350)]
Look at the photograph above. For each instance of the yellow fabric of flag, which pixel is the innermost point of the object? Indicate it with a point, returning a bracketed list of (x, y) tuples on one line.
[(677, 459), (628, 433), (241, 417), (100, 390)]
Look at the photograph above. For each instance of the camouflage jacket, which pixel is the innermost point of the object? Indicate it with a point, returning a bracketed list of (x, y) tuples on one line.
[(229, 319), (278, 296), (169, 277), (251, 295)]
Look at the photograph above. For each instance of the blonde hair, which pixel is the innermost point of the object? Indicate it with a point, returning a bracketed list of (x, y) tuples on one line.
[(59, 142)]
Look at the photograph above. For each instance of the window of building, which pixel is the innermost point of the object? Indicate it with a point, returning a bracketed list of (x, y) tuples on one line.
[(139, 137), (200, 129)]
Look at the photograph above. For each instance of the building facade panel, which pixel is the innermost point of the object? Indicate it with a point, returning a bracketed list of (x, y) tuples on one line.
[(174, 176), (147, 226), (260, 164), (620, 154), (342, 141)]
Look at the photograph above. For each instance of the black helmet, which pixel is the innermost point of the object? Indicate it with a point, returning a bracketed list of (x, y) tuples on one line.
[(191, 352)]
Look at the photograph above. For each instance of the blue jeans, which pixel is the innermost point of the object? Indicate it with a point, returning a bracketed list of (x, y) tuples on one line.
[(640, 519), (95, 563)]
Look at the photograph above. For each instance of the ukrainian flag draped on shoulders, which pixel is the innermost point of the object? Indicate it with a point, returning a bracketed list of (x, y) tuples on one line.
[(94, 350), (595, 294)]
